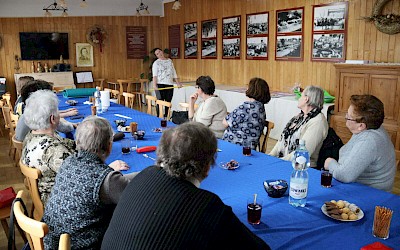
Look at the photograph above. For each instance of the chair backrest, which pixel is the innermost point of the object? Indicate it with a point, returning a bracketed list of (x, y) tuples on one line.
[(142, 84), (58, 89), (263, 145), (18, 145), (161, 105), (34, 229), (129, 99), (32, 176), (99, 80), (8, 121), (185, 106), (397, 158), (150, 100), (65, 242), (7, 97)]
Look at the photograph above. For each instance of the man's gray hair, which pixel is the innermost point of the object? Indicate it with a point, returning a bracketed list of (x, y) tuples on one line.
[(94, 134), (187, 151), (40, 106), (315, 96)]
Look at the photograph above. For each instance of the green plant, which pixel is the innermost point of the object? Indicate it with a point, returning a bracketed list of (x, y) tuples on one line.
[(150, 59)]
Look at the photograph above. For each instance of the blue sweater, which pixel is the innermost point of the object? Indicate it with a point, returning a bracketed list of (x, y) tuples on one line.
[(367, 158)]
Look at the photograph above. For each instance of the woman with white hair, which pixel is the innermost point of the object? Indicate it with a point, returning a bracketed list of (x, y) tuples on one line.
[(43, 148), (310, 125), (86, 189)]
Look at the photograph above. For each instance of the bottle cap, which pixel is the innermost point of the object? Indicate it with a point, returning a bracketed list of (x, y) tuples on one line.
[(302, 142)]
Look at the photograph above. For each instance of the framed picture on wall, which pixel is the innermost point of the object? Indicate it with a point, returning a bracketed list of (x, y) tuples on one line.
[(289, 20), (190, 34), (209, 39), (328, 46), (289, 34), (257, 36), (329, 32), (84, 55), (289, 48), (231, 37)]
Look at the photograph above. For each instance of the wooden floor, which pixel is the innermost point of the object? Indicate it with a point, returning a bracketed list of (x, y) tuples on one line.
[(11, 176)]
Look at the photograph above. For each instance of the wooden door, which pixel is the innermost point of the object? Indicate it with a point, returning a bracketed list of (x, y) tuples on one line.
[(351, 84), (387, 89)]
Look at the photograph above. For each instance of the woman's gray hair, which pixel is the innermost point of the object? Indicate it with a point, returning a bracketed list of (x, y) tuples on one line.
[(315, 96), (40, 106), (94, 134), (187, 151)]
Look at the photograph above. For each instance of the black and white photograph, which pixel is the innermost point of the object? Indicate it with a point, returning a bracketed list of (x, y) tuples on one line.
[(231, 48), (231, 26), (191, 49), (209, 48), (209, 29), (290, 20), (329, 46), (190, 30), (257, 24), (257, 47), (330, 17), (288, 47)]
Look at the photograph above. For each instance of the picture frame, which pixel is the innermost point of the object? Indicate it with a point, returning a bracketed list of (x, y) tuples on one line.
[(84, 55), (174, 41), (329, 32), (290, 21), (289, 48), (231, 27), (257, 36), (289, 34), (209, 39), (190, 40), (328, 46)]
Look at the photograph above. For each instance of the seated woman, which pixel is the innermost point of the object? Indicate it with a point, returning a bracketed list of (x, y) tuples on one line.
[(22, 81), (86, 189), (43, 148), (247, 121), (212, 109), (22, 129), (368, 157), (310, 125)]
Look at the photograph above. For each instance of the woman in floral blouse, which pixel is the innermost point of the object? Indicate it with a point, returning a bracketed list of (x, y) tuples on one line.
[(43, 148), (246, 122)]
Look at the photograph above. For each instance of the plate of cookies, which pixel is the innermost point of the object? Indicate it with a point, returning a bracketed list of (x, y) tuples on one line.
[(342, 210)]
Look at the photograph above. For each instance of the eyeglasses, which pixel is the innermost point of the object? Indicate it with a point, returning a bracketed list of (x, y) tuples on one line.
[(349, 119)]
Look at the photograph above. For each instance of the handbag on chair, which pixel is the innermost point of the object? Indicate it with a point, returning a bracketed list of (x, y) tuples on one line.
[(7, 196), (11, 233)]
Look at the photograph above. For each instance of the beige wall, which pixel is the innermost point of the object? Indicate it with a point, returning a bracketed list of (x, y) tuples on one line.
[(363, 42)]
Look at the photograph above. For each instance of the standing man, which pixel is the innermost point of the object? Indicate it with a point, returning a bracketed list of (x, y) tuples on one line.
[(163, 75)]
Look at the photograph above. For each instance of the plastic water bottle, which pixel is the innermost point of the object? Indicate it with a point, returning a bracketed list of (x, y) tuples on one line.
[(97, 97), (299, 178)]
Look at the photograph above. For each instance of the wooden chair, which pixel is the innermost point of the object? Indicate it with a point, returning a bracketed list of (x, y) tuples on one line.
[(35, 230), (150, 100), (397, 159), (262, 146), (4, 215), (99, 82), (7, 98), (32, 176), (10, 124), (18, 145), (161, 106), (2, 103), (129, 99), (115, 94), (185, 106), (114, 84), (141, 93)]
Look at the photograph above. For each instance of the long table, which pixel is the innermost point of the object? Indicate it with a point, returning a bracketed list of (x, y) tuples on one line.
[(282, 226), (279, 110)]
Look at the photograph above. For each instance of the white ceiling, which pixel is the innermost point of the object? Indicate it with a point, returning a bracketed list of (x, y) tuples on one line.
[(34, 8)]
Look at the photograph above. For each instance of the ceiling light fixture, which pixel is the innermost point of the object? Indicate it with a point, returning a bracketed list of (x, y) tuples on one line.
[(177, 5), (142, 7), (54, 7), (83, 4)]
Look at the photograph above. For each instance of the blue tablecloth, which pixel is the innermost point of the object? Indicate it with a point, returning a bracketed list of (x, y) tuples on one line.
[(282, 226)]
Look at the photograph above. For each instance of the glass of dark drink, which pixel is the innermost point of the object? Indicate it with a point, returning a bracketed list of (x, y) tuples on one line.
[(126, 146), (326, 178), (254, 211), (164, 123), (246, 148)]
